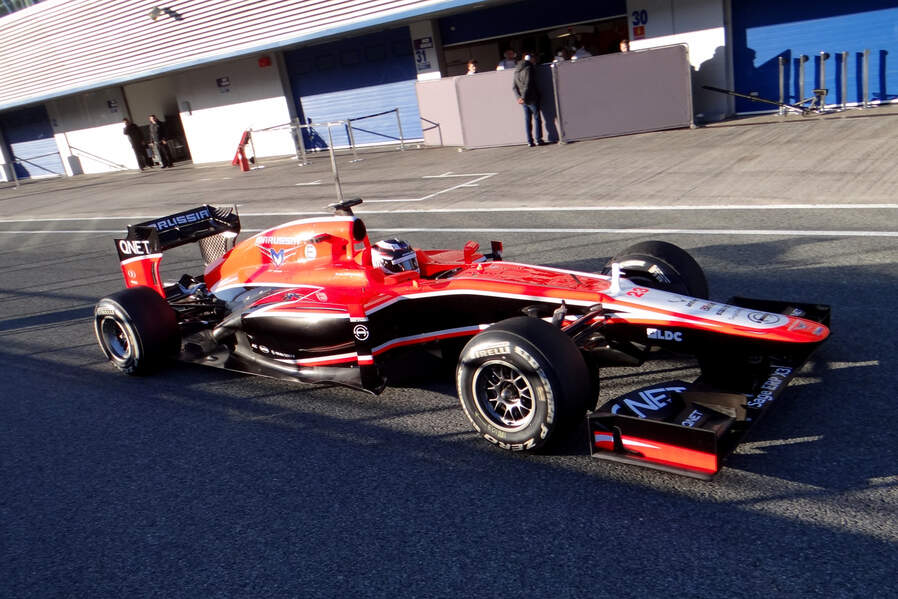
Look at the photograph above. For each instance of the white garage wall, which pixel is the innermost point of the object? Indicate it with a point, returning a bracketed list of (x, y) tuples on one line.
[(98, 149), (5, 166), (89, 126), (214, 116), (701, 25)]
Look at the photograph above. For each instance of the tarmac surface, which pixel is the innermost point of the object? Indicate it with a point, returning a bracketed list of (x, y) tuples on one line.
[(198, 483)]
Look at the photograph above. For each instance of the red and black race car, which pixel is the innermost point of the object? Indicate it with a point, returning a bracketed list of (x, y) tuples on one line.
[(314, 300)]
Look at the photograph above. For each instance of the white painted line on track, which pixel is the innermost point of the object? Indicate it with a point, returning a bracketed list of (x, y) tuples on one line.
[(666, 208), (53, 219), (781, 232), (559, 209), (65, 232), (451, 174), (563, 209), (547, 231), (470, 183)]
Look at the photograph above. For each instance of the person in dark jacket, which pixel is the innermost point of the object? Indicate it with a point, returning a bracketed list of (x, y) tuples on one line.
[(528, 97), (134, 135), (160, 144)]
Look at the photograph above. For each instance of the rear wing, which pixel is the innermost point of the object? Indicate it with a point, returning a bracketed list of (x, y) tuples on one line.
[(215, 228)]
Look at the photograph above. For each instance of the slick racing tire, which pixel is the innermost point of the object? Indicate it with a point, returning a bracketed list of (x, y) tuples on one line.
[(523, 384), (662, 265), (136, 329)]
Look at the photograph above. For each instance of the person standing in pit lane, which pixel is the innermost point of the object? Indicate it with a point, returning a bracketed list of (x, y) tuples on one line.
[(159, 141), (132, 132), (528, 97)]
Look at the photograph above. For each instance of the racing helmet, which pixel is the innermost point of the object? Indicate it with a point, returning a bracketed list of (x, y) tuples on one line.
[(394, 255)]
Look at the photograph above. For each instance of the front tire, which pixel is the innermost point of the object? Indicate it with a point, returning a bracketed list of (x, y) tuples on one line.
[(136, 329), (662, 265), (523, 384)]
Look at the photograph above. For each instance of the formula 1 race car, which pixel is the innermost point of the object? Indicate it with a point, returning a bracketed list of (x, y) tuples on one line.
[(314, 300)]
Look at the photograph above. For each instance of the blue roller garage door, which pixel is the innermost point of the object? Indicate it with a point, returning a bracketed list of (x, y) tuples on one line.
[(28, 134), (764, 30), (353, 78)]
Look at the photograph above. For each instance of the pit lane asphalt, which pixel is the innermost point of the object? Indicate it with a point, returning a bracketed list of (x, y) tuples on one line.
[(202, 483)]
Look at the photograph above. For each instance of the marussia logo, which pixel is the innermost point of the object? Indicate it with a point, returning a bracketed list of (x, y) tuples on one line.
[(278, 257)]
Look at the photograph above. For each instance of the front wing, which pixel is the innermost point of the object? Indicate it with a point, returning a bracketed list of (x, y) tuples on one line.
[(689, 428)]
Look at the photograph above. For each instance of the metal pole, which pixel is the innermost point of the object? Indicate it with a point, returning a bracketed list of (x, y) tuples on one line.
[(330, 143), (253, 146), (866, 75), (801, 60), (823, 57), (355, 156), (301, 143), (401, 136), (844, 80), (782, 72)]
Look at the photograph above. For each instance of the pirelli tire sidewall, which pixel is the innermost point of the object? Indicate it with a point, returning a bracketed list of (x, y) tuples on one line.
[(136, 329), (547, 362)]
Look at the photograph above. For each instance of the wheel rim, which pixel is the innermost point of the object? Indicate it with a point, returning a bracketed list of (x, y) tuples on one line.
[(115, 338), (504, 396)]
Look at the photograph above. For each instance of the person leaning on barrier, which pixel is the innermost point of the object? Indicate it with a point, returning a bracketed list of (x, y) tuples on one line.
[(528, 97), (580, 51), (563, 55), (158, 139), (132, 132), (508, 62)]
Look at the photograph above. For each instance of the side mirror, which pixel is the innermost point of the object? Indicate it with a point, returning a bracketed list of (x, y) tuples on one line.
[(470, 249)]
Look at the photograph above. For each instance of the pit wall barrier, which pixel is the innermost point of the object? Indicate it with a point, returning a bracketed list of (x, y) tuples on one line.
[(599, 96)]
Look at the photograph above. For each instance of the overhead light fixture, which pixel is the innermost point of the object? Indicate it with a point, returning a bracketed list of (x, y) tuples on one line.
[(156, 12)]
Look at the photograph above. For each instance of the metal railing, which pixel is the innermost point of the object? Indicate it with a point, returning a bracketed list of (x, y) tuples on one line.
[(349, 129), (105, 161), (433, 125), (298, 129)]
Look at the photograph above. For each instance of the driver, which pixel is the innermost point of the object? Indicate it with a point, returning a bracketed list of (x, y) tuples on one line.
[(393, 256)]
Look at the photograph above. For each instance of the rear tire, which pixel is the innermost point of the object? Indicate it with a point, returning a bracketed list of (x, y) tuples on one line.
[(136, 329), (523, 384), (662, 265)]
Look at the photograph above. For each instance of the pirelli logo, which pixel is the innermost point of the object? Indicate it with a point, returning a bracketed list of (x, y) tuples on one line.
[(484, 351)]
